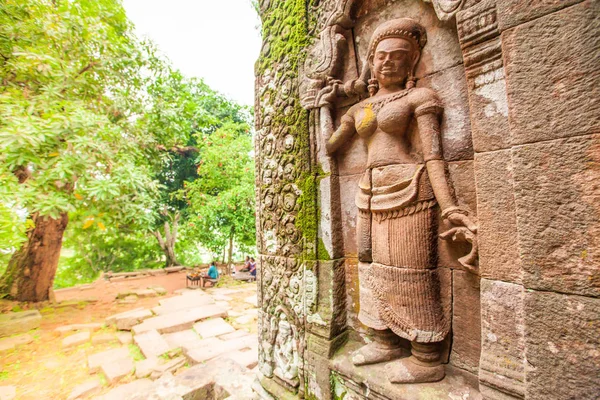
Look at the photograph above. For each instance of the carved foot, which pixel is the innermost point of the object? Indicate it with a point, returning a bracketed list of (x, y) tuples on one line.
[(376, 352), (410, 370)]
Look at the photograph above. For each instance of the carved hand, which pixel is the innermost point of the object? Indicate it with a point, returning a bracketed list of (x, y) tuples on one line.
[(464, 231), (326, 96)]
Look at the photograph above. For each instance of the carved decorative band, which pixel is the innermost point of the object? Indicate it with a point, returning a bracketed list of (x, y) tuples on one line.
[(504, 373), (478, 27)]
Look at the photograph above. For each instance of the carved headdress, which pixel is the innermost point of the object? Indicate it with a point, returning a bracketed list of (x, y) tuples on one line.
[(404, 28)]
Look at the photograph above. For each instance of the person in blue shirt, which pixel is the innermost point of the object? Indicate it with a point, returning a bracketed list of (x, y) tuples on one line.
[(252, 266), (212, 275)]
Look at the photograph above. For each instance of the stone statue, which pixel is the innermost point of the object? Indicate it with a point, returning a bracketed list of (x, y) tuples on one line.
[(398, 199)]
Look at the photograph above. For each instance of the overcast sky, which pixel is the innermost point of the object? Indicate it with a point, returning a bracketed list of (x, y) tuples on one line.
[(215, 40)]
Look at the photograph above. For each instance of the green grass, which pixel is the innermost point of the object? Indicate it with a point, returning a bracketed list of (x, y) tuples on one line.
[(136, 353)]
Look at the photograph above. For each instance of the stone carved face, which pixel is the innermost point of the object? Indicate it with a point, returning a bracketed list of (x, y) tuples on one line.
[(393, 61)]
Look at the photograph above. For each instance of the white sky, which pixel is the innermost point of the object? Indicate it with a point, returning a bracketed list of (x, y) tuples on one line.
[(217, 40)]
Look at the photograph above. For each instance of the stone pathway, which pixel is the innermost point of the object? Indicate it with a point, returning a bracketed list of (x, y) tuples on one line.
[(188, 348)]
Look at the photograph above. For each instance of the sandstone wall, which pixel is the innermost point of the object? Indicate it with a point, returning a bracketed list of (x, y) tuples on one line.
[(520, 84)]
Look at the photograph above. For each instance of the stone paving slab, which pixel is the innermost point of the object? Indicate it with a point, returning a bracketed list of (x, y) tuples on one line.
[(205, 353), (253, 300), (8, 392), (76, 339), (169, 366), (234, 335), (151, 343), (95, 360), (142, 293), (112, 320), (187, 338), (114, 371), (203, 343), (184, 301), (85, 389), (179, 320), (78, 327), (245, 358), (125, 337), (12, 342), (103, 338), (144, 368), (19, 322), (213, 327), (128, 391), (128, 321)]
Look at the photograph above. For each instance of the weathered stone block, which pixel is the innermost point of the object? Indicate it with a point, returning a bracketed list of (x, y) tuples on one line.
[(127, 321), (552, 65), (77, 327), (213, 327), (188, 299), (328, 314), (19, 322), (76, 339), (562, 341), (182, 339), (502, 363), (466, 321), (129, 390), (179, 320), (112, 355), (557, 187), (115, 371), (103, 338), (515, 12), (463, 181), (348, 189), (450, 85), (497, 234), (84, 389)]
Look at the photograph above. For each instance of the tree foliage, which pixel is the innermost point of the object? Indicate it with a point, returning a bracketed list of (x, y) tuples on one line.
[(94, 125), (223, 195)]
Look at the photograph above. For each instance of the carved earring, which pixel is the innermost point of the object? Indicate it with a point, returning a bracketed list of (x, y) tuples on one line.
[(411, 82), (373, 86)]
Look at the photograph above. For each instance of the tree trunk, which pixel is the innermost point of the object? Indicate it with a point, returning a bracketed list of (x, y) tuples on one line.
[(167, 244), (224, 252), (30, 272), (230, 255)]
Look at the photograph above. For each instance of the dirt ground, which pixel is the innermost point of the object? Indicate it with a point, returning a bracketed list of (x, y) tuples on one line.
[(44, 370)]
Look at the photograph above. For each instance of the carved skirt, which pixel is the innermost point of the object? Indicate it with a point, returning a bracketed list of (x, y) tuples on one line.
[(397, 234)]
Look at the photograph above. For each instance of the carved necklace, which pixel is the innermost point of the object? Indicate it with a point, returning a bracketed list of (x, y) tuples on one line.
[(379, 104)]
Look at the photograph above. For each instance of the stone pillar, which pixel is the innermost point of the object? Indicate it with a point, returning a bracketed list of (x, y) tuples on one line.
[(533, 94)]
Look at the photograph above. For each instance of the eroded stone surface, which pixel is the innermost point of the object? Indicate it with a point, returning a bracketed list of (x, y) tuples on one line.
[(562, 342), (556, 195), (8, 392), (551, 65), (103, 338)]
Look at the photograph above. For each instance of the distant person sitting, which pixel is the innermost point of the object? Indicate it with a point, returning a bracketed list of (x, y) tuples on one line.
[(211, 276), (246, 265), (252, 267)]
